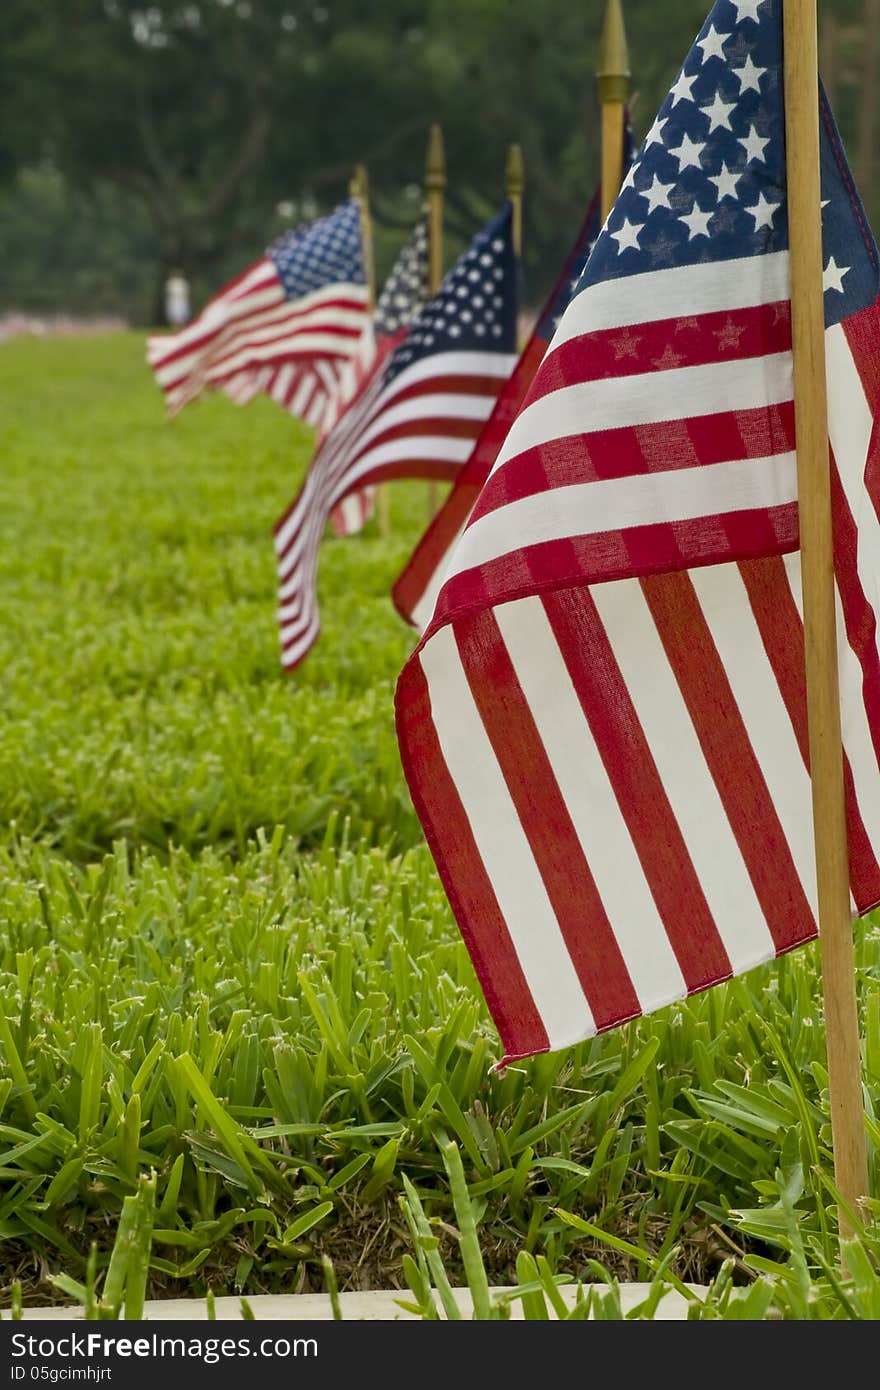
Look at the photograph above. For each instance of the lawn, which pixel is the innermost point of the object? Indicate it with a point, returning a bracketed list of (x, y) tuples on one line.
[(235, 1011)]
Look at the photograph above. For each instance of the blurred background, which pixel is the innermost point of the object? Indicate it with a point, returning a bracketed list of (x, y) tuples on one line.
[(141, 139)]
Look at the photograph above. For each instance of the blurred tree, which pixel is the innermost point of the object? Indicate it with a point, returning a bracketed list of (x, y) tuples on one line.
[(227, 119)]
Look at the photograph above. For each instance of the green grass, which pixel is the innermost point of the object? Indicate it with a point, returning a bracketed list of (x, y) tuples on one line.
[(239, 1034)]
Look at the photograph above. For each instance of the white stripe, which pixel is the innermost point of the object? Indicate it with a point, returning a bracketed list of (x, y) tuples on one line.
[(650, 398), (290, 657), (591, 803), (423, 608), (641, 499), (680, 762), (668, 294), (281, 383), (229, 301), (725, 604), (220, 329), (415, 449), (303, 345), (850, 427), (225, 323), (856, 734), (302, 394), (855, 731), (504, 847)]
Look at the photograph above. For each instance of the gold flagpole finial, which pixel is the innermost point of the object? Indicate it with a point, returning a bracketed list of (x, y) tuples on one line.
[(613, 70)]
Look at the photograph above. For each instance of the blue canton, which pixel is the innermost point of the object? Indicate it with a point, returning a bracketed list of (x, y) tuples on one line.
[(475, 307), (406, 288), (328, 251), (709, 184)]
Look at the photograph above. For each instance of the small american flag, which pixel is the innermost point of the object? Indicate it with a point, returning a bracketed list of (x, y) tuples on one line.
[(403, 295), (415, 591), (417, 415), (299, 311), (604, 726)]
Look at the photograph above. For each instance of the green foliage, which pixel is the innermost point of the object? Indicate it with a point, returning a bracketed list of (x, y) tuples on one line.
[(205, 118), (240, 1036)]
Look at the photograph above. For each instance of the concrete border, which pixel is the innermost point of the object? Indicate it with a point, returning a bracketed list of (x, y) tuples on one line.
[(375, 1305)]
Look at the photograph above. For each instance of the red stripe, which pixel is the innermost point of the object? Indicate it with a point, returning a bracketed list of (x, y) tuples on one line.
[(782, 633), (546, 823), (859, 616), (639, 450), (730, 757), (237, 316), (462, 871), (553, 565), (638, 787), (279, 314), (415, 579), (216, 353), (727, 335)]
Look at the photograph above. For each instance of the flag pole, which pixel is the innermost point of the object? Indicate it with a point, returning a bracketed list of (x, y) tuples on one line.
[(435, 184), (817, 578), (360, 188), (514, 180), (613, 79)]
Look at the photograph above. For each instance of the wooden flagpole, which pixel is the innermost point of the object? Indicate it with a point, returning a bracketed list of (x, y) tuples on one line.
[(435, 184), (360, 188), (820, 635), (514, 181), (613, 78)]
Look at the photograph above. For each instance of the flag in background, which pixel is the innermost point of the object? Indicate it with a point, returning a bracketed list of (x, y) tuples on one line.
[(607, 745), (403, 295), (416, 416), (304, 304), (416, 589)]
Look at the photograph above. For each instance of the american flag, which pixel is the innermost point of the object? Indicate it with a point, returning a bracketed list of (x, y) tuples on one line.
[(417, 415), (415, 591), (295, 316), (604, 726), (403, 295)]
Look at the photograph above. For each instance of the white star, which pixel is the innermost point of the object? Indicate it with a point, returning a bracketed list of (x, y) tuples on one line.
[(657, 195), (749, 76), (718, 113), (763, 212), (753, 145), (832, 278), (688, 153), (655, 134), (681, 88), (712, 44), (725, 182), (628, 236), (747, 9), (696, 221)]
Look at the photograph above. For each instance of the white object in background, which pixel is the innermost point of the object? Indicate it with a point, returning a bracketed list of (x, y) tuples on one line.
[(176, 299)]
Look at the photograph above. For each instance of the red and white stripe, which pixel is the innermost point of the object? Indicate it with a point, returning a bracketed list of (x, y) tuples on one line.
[(674, 447), (422, 424), (613, 776), (250, 327)]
